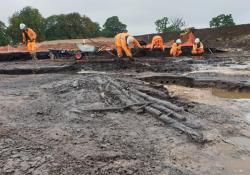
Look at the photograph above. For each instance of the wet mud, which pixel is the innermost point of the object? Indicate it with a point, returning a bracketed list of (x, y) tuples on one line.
[(118, 118)]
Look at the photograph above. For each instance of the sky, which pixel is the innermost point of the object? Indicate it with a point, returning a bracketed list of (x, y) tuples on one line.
[(138, 15)]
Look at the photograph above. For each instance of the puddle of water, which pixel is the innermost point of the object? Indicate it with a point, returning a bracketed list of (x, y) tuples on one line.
[(238, 102), (231, 95)]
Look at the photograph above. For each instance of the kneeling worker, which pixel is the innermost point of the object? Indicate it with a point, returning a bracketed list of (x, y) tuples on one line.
[(157, 42), (29, 39), (176, 48), (124, 42), (198, 47)]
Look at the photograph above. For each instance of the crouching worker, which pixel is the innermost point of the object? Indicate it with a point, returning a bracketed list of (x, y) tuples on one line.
[(176, 48), (198, 47), (29, 39), (124, 42), (157, 42)]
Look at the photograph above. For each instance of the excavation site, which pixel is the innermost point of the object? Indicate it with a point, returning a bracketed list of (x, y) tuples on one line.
[(89, 112)]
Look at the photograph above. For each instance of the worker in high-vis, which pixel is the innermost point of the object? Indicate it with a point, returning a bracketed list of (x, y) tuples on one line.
[(124, 42), (157, 42), (29, 39), (198, 47), (176, 48)]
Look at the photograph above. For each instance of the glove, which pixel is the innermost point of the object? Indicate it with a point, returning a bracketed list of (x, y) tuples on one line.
[(139, 48)]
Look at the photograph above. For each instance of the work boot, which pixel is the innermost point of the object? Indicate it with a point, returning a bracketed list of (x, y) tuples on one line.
[(33, 55), (118, 62)]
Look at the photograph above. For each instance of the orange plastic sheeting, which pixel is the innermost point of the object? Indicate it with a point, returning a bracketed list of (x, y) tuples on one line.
[(10, 49), (188, 39), (103, 43), (166, 45), (39, 47)]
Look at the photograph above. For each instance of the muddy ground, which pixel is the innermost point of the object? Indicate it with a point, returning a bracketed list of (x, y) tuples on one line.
[(89, 119)]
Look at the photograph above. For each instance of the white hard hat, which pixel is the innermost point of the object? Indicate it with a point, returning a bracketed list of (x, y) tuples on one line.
[(178, 41), (197, 40), (130, 40), (22, 26)]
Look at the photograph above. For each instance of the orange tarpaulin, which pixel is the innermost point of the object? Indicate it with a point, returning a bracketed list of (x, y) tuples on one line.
[(166, 45), (187, 39)]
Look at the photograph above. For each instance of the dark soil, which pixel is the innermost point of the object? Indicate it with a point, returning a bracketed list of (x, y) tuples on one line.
[(50, 124), (78, 119), (42, 131), (224, 37)]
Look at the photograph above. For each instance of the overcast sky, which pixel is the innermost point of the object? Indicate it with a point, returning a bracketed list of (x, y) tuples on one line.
[(139, 15)]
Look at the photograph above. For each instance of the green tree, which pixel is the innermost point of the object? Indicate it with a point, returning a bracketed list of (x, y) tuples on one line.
[(4, 38), (91, 29), (70, 26), (32, 18), (54, 27), (113, 26), (169, 25), (162, 24), (222, 21), (177, 24)]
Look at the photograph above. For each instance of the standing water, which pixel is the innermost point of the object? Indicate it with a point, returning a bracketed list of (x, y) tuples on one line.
[(236, 101), (241, 99)]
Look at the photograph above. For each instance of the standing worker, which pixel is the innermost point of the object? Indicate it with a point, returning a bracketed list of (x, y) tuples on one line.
[(176, 48), (124, 42), (157, 42), (198, 47), (29, 39)]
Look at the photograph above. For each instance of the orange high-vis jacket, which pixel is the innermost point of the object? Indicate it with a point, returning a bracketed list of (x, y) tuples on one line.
[(175, 50), (29, 36), (201, 46), (121, 44), (157, 41), (198, 48)]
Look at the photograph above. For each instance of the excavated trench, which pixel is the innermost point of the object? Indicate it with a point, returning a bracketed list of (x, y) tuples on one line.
[(197, 83), (146, 60), (103, 61), (21, 56), (39, 70), (170, 70)]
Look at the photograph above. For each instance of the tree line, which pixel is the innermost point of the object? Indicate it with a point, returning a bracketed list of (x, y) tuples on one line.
[(76, 26), (64, 26), (166, 24)]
